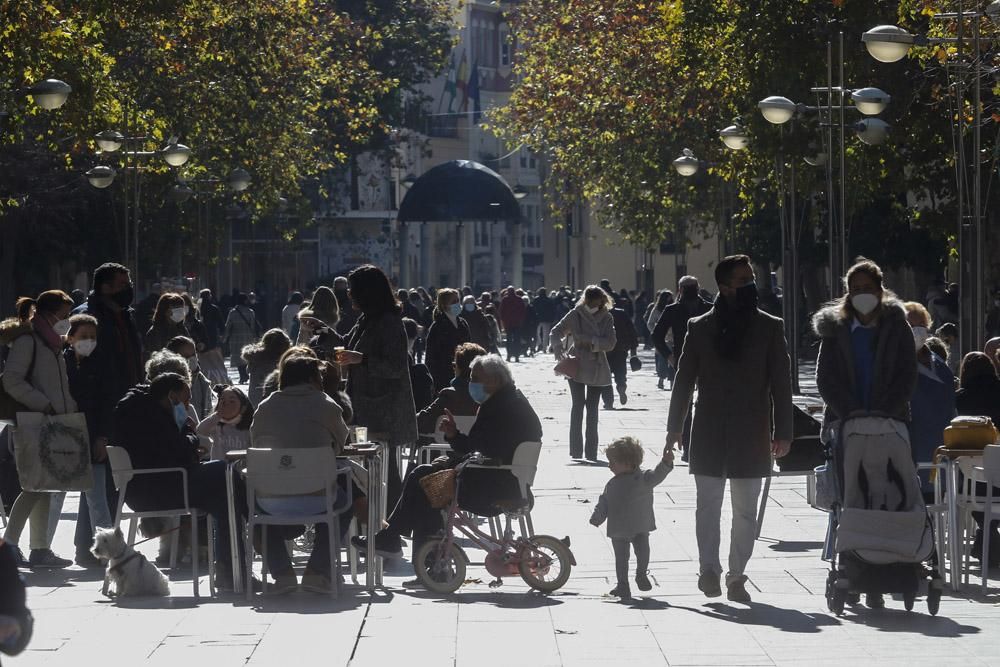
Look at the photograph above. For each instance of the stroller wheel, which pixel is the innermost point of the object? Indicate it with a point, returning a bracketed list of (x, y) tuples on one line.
[(837, 600), (908, 600), (933, 598)]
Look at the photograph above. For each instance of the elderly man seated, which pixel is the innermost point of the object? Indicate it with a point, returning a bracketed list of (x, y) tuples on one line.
[(504, 421)]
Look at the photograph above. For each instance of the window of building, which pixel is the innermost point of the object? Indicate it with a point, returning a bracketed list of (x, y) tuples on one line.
[(505, 45)]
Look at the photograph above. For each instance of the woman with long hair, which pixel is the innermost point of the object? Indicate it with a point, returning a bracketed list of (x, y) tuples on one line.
[(586, 333), (168, 322), (262, 358), (664, 370)]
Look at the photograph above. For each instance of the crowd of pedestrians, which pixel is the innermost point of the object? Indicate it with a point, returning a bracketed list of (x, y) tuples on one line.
[(408, 363)]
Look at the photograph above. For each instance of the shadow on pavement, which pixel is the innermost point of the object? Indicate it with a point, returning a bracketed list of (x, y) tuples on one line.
[(304, 602), (519, 600), (795, 546), (913, 622), (759, 613), (65, 577)]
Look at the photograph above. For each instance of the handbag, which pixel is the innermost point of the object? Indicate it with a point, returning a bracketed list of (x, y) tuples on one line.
[(635, 363), (970, 433), (568, 366), (52, 452)]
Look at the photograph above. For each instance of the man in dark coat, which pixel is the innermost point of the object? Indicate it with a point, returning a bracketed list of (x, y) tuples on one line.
[(545, 313), (674, 321), (626, 342), (512, 314), (479, 326), (505, 420), (118, 361), (737, 356)]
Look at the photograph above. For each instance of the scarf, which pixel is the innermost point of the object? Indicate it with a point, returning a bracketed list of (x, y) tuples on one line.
[(48, 334), (733, 326)]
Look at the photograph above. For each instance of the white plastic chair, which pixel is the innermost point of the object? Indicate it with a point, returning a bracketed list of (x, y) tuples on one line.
[(988, 472), (122, 472), (284, 472), (523, 466), (939, 514), (428, 453)]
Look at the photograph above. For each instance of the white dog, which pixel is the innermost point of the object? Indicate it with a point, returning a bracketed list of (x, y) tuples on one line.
[(128, 570)]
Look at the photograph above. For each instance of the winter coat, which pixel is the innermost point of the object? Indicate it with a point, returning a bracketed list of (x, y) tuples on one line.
[(158, 336), (260, 366), (479, 327), (379, 386), (980, 397), (202, 396), (598, 331), (333, 388), (455, 398), (118, 355), (423, 386), (225, 437), (545, 309), (504, 421), (442, 339), (48, 384), (150, 436), (894, 375), (299, 416), (626, 340), (512, 312), (627, 502), (211, 319), (673, 320), (732, 429), (85, 378), (289, 314), (242, 329), (932, 408)]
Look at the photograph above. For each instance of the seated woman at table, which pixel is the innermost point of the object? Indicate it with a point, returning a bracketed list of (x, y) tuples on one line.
[(298, 415), (229, 425), (455, 397), (979, 395), (333, 380), (505, 420), (153, 425)]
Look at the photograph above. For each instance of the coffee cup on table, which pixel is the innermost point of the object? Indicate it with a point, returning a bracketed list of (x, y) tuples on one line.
[(360, 434)]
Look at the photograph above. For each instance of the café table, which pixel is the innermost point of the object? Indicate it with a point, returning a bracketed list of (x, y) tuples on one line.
[(373, 467), (234, 458), (950, 458)]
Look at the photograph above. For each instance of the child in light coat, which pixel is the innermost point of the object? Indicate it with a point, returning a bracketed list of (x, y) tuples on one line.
[(627, 505)]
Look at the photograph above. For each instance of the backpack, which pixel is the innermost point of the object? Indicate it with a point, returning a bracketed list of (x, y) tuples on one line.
[(9, 407)]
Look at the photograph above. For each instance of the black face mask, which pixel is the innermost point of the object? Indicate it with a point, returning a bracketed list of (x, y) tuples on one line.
[(746, 297), (124, 297)]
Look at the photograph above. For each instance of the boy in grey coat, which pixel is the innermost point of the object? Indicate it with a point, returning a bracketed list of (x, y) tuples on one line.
[(627, 505)]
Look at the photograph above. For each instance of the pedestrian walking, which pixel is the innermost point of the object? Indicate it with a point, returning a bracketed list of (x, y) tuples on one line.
[(626, 342), (168, 323), (664, 369), (242, 329), (627, 506), (446, 333), (479, 326), (867, 358), (512, 312), (738, 358), (291, 310), (36, 377), (211, 359), (586, 335)]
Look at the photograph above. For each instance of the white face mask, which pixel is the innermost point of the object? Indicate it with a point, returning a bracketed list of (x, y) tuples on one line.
[(864, 303), (592, 309), (85, 347), (61, 327), (920, 336), (177, 315)]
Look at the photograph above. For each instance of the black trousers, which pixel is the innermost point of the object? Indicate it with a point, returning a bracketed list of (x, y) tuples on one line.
[(640, 544), (589, 397), (514, 343), (413, 514), (619, 369)]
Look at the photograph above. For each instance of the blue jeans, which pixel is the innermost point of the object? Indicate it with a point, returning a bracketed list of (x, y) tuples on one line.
[(279, 561), (95, 507)]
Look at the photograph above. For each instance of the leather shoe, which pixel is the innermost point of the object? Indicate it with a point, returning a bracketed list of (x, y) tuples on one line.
[(708, 583), (736, 590)]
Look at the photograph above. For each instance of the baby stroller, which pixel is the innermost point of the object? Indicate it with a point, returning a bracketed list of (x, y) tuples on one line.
[(880, 533)]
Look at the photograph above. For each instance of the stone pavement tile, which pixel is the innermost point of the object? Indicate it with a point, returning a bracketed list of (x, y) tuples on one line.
[(517, 642)]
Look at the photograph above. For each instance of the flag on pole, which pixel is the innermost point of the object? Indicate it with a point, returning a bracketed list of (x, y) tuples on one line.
[(473, 92), (450, 88), (461, 82)]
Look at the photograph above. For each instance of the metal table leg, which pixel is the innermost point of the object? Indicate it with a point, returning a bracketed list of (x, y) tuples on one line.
[(234, 532), (954, 539)]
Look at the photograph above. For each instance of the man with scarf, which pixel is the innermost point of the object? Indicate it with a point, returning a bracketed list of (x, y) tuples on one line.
[(737, 356), (674, 320)]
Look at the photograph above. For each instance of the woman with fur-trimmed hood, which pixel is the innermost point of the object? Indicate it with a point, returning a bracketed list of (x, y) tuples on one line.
[(867, 359)]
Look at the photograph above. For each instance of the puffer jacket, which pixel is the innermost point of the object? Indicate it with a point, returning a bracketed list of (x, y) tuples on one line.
[(48, 384), (597, 332), (894, 375)]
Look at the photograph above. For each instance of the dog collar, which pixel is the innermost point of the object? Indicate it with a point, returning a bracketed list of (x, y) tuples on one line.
[(119, 566)]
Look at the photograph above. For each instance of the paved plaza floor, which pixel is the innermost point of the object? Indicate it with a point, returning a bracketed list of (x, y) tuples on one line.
[(787, 623)]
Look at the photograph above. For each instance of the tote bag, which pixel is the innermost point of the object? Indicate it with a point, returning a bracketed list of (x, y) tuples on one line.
[(52, 452)]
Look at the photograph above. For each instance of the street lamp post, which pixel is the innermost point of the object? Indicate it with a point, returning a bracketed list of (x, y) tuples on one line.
[(889, 44)]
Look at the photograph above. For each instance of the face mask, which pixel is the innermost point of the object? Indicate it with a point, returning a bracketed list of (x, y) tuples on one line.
[(864, 303), (592, 309), (920, 336), (746, 297), (124, 297), (180, 415), (85, 347), (469, 307), (478, 392), (61, 327), (193, 364), (177, 315), (455, 309)]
